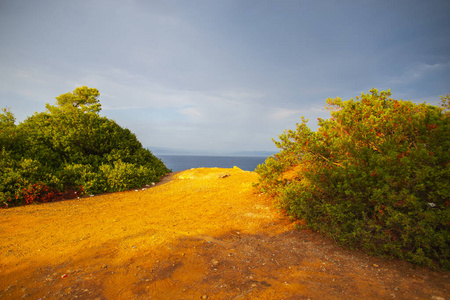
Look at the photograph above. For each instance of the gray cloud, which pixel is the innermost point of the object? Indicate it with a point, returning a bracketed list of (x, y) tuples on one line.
[(220, 76)]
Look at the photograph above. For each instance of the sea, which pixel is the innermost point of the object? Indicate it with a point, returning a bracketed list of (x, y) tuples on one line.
[(185, 162)]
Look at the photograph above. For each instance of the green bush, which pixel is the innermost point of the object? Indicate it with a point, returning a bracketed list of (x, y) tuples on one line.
[(69, 150), (123, 176), (74, 175), (9, 139), (9, 176), (376, 176)]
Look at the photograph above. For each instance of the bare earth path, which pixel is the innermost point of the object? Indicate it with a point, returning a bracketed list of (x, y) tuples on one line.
[(198, 234)]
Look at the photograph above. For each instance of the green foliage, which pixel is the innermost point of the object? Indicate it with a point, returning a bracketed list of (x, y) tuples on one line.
[(376, 175), (123, 176), (83, 98), (8, 134), (74, 175), (69, 150), (7, 118)]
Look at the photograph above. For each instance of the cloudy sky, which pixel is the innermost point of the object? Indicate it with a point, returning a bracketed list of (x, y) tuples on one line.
[(224, 76)]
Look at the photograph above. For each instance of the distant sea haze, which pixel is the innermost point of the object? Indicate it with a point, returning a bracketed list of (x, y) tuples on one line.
[(185, 162)]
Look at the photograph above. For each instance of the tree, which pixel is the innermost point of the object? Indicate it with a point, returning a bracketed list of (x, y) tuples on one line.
[(6, 118), (9, 138), (376, 175), (83, 98), (70, 148)]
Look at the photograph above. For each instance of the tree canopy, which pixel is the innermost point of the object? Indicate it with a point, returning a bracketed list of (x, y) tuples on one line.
[(83, 98), (376, 176), (70, 150)]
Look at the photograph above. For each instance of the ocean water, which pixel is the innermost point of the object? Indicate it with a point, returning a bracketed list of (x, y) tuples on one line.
[(185, 162)]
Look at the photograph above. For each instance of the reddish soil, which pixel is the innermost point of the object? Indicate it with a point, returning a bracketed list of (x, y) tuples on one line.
[(198, 234)]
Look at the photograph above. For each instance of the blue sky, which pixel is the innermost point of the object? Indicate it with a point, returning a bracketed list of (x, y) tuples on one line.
[(219, 77)]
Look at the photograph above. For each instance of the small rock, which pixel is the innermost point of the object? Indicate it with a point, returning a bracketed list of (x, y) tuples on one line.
[(204, 297)]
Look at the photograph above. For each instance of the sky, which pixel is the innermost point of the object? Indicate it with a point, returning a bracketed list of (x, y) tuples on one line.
[(220, 77)]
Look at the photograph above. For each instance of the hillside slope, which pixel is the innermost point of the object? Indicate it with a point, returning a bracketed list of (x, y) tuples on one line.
[(198, 233)]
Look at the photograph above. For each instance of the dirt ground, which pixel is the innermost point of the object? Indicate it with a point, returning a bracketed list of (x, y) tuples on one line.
[(198, 234)]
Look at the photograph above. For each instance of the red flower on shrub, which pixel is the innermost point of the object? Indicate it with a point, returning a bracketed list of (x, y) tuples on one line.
[(40, 192)]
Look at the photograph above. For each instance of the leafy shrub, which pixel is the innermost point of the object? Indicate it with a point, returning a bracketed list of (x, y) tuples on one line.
[(9, 139), (8, 178), (74, 175), (69, 150), (123, 176), (376, 175), (16, 175), (39, 192)]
